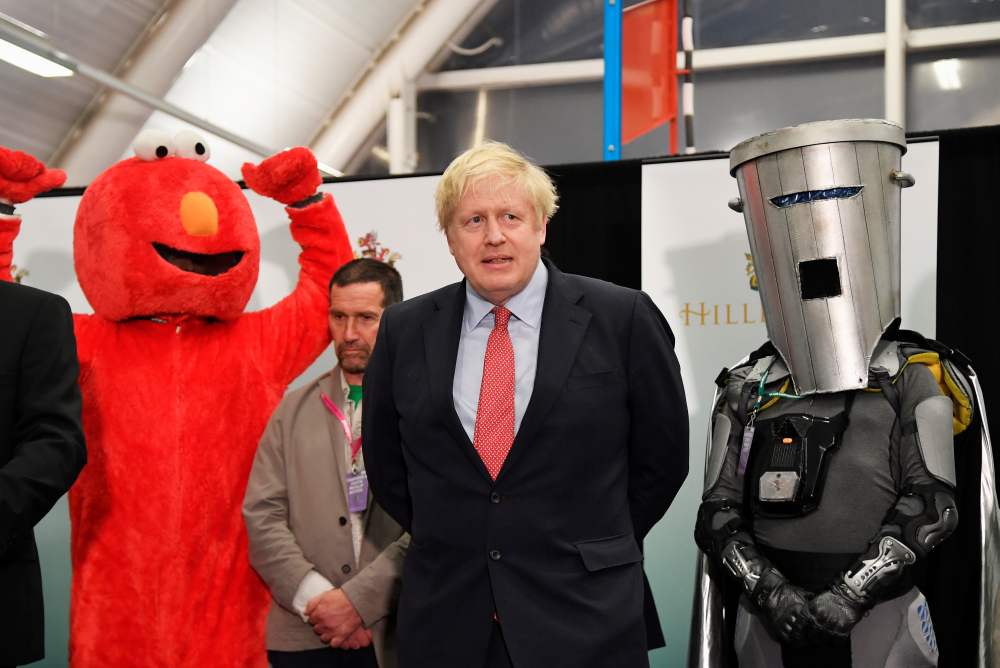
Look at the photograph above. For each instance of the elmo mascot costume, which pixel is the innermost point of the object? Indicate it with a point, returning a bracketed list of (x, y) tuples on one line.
[(178, 383)]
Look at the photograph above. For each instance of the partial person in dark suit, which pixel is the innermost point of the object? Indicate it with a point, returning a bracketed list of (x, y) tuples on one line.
[(527, 428), (41, 451)]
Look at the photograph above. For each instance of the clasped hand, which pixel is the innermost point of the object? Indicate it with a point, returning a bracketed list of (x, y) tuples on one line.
[(798, 617), (336, 622)]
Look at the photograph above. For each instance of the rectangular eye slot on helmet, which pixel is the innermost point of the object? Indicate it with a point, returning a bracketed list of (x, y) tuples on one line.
[(806, 196), (820, 278)]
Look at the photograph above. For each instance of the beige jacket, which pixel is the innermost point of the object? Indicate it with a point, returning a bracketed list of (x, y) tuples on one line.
[(297, 521)]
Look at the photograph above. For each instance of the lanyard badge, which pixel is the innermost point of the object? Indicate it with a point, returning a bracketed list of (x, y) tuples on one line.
[(748, 432), (357, 480)]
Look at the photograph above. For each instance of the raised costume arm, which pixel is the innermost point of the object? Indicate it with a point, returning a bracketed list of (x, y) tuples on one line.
[(293, 332), (21, 178)]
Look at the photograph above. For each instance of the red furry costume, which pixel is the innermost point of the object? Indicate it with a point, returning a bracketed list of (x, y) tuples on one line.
[(178, 384)]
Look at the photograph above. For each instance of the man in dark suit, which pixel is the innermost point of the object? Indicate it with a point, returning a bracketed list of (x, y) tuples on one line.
[(41, 451), (528, 428)]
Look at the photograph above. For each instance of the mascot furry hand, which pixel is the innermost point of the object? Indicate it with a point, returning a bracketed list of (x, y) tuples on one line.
[(178, 383)]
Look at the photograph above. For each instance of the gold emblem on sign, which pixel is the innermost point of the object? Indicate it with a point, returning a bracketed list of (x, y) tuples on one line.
[(751, 272)]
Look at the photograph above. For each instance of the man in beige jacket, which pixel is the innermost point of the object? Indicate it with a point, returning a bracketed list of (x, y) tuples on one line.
[(330, 555)]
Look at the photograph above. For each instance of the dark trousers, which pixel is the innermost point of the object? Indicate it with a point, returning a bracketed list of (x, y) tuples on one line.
[(497, 655), (328, 657)]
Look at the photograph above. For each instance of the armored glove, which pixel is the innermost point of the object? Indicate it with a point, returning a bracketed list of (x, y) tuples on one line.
[(782, 603), (832, 614)]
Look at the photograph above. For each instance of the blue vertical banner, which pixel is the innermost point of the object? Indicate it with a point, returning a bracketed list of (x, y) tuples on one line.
[(612, 79)]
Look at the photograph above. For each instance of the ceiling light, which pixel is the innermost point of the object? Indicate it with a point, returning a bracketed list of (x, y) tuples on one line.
[(31, 62), (946, 72)]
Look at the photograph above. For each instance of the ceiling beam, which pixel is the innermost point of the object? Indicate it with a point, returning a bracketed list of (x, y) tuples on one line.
[(725, 58), (363, 107), (104, 134)]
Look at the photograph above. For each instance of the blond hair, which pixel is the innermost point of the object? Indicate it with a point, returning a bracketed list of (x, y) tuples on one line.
[(493, 158)]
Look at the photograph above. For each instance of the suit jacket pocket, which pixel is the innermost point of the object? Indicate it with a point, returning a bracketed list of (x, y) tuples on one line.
[(584, 381), (601, 553)]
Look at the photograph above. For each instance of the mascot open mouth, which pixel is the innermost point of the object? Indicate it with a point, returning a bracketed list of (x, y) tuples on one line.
[(199, 263)]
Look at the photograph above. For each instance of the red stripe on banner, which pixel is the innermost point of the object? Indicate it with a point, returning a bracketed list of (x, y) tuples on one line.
[(649, 67)]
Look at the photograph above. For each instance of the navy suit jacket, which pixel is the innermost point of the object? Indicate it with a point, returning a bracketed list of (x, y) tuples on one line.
[(554, 545), (41, 450)]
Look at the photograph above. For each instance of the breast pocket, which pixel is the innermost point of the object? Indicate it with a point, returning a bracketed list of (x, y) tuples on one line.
[(585, 381), (601, 553)]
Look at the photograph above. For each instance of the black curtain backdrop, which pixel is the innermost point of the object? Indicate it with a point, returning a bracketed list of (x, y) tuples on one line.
[(597, 230), (968, 275), (968, 253)]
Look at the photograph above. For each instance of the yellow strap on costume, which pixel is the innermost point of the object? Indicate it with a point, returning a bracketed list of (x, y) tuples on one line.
[(961, 416)]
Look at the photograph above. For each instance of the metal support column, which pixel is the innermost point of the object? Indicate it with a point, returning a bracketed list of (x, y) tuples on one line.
[(895, 61), (401, 130), (612, 79)]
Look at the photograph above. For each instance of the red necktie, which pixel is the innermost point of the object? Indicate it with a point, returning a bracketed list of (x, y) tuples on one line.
[(495, 415)]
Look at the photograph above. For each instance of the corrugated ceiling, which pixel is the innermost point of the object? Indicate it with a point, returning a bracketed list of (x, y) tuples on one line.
[(36, 114)]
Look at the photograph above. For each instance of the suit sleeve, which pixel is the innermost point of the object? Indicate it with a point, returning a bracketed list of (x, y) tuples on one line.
[(381, 440), (658, 440), (49, 449), (274, 552), (374, 590)]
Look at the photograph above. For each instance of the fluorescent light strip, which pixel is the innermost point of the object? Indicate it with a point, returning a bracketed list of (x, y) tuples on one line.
[(30, 62)]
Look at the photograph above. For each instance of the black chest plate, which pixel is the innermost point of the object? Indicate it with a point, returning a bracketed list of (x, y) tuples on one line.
[(788, 462)]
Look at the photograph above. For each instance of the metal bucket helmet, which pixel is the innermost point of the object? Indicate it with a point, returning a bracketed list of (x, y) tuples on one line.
[(821, 203)]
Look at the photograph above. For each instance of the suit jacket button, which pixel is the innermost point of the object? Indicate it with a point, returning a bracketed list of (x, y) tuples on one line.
[(343, 521), (345, 569), (495, 498), (495, 555)]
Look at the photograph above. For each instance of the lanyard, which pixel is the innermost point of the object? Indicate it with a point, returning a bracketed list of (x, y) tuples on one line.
[(339, 414)]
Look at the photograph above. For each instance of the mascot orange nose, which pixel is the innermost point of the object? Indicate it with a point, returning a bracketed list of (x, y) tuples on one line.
[(199, 216)]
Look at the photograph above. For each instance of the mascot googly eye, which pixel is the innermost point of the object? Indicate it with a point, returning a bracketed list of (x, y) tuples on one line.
[(153, 145), (192, 145)]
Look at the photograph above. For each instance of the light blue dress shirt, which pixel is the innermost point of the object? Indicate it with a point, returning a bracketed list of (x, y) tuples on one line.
[(523, 327)]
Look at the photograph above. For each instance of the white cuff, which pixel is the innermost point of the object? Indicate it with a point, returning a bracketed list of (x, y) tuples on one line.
[(312, 585)]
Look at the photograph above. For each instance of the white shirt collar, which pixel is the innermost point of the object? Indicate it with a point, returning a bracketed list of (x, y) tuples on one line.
[(526, 305)]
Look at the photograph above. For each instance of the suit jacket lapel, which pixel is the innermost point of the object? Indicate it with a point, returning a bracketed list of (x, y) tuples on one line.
[(564, 323), (441, 334)]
